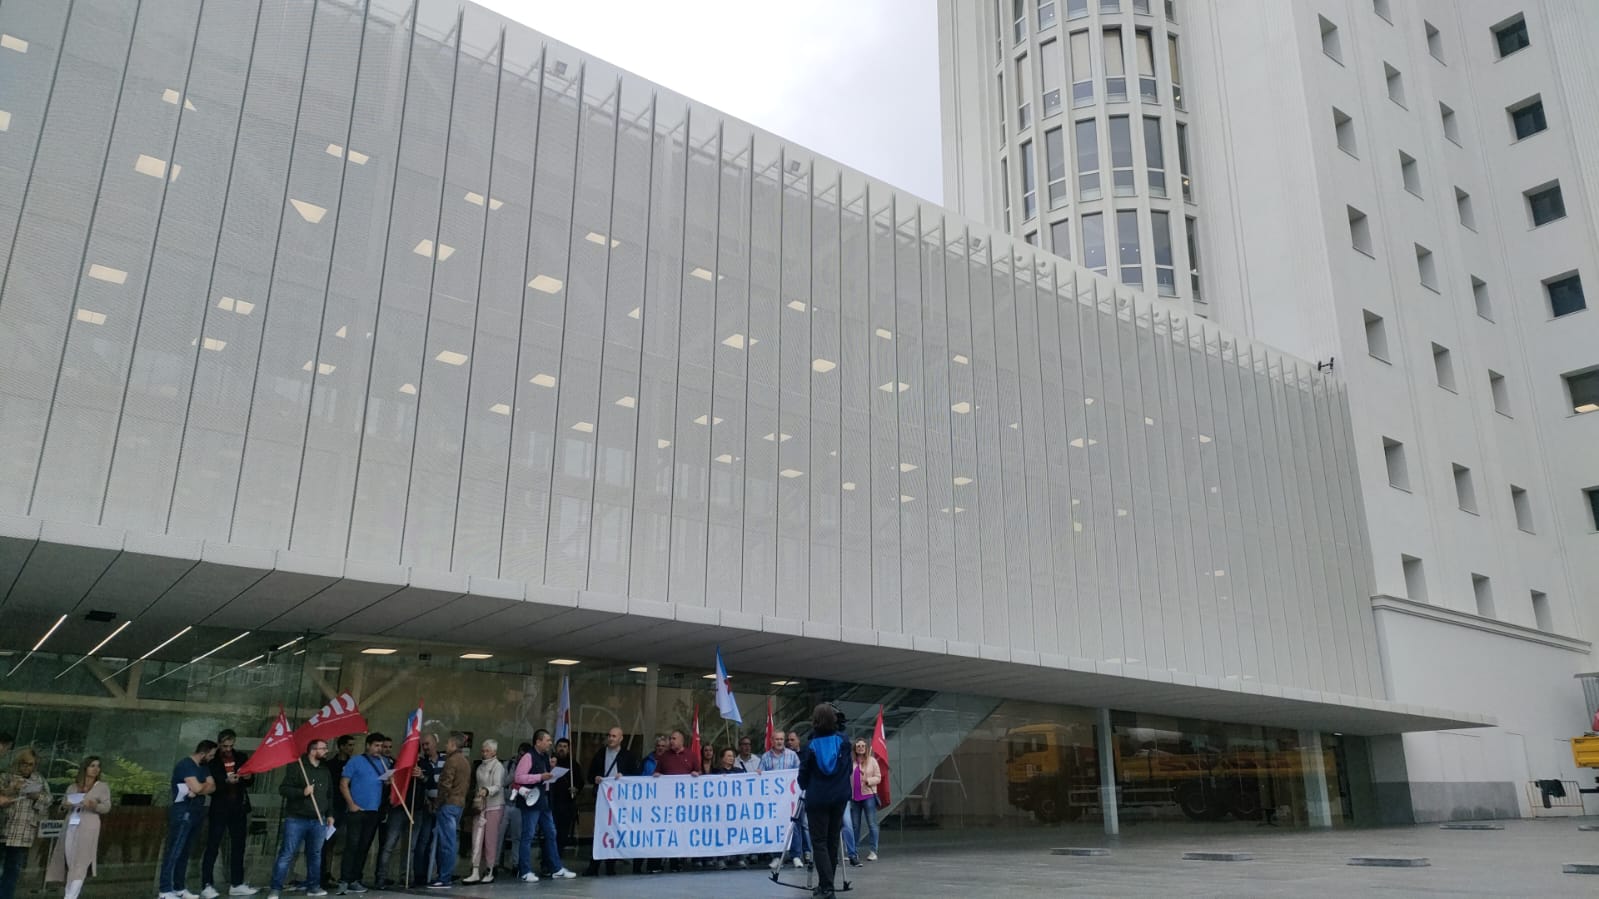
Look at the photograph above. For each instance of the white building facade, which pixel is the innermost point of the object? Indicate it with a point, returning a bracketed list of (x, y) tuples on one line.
[(1407, 191)]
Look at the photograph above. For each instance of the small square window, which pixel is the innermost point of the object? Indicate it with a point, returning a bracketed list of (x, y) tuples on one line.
[(1451, 124), (1541, 613), (1545, 203), (1523, 508), (1511, 35), (1465, 490), (1565, 294), (1344, 129), (1435, 41), (1380, 7), (1482, 588), (1376, 335), (1479, 296), (1359, 231), (1329, 39), (1591, 494), (1393, 454), (1582, 388), (1527, 117), (1501, 393), (1468, 216), (1396, 83), (1443, 367), (1426, 269), (1409, 173), (1415, 578)]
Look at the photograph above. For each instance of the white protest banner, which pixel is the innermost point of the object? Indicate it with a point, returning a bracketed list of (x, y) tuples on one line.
[(694, 817)]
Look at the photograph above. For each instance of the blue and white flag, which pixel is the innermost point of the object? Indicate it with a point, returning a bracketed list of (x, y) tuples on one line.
[(724, 693)]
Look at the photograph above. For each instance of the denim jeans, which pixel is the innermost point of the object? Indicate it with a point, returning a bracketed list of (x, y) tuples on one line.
[(421, 845), (864, 811), (533, 820), (297, 832), (799, 839), (447, 840), (13, 857), (183, 823), (850, 850)]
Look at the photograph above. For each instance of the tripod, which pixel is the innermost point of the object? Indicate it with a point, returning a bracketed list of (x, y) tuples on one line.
[(837, 853)]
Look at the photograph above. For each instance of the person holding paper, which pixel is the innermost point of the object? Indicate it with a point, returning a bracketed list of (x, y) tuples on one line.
[(229, 818), (454, 780), (25, 798), (563, 795), (191, 783), (533, 776), (72, 858), (307, 792)]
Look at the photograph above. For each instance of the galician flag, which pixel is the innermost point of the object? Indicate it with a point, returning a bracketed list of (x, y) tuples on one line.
[(724, 693), (276, 749), (563, 714)]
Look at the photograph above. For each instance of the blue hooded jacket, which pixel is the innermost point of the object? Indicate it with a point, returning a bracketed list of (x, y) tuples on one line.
[(825, 770)]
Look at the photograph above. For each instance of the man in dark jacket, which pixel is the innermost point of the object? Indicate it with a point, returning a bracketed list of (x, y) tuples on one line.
[(230, 814), (307, 791), (563, 795), (824, 775), (612, 760)]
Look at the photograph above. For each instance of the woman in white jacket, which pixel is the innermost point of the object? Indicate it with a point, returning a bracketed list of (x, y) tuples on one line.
[(489, 802)]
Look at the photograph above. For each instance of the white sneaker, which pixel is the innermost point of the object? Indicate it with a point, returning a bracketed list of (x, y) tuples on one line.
[(167, 895), (530, 877), (563, 874), (871, 856), (776, 863), (242, 889), (185, 894), (798, 863), (210, 892), (273, 895)]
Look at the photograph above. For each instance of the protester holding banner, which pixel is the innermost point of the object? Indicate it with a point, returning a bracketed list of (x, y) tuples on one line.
[(230, 816), (647, 769), (307, 791), (611, 761), (489, 802), (73, 857), (785, 757), (824, 775), (532, 779), (25, 797)]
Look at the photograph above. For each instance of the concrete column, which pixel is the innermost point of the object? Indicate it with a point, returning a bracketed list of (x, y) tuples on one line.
[(1107, 774), (652, 682), (1317, 809)]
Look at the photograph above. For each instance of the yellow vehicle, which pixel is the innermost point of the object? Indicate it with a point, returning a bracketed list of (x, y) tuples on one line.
[(1052, 770)]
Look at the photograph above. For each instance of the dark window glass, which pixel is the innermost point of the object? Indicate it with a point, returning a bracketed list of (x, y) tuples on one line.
[(1529, 119), (1584, 387), (1547, 205), (1512, 36), (1565, 295), (1593, 506)]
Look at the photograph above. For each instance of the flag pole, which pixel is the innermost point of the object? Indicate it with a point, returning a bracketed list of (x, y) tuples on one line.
[(314, 807)]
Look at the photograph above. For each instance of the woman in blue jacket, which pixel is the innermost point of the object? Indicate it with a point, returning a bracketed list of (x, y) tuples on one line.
[(824, 775)]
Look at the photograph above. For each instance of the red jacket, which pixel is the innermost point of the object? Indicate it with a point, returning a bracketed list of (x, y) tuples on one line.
[(680, 762)]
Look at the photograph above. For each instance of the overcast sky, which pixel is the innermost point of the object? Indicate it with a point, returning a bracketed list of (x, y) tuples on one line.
[(855, 80)]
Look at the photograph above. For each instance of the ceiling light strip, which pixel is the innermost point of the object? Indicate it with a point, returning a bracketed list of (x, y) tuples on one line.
[(97, 647), (201, 656), (158, 648), (36, 646)]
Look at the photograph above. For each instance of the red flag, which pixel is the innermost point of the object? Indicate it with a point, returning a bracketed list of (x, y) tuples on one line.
[(694, 750), (337, 718), (276, 750), (880, 750), (771, 732), (410, 747)]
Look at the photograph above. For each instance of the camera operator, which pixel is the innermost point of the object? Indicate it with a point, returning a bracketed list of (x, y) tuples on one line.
[(824, 775)]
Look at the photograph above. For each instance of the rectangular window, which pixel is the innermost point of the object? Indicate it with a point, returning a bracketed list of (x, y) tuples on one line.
[(1051, 67), (1545, 203), (1115, 66), (1344, 130), (1076, 9), (1435, 41), (1393, 454), (1465, 491), (1450, 123), (1329, 40), (1146, 66), (1193, 258), (1380, 7), (1176, 72), (1511, 35), (1141, 6), (1060, 238), (1165, 267), (1582, 388), (1031, 238), (1024, 91), (1359, 230), (1591, 494), (1121, 157), (1565, 294), (1055, 166), (1443, 367), (1004, 190), (1426, 268), (1500, 393), (1086, 137), (1110, 5), (1018, 16), (1094, 242), (1376, 335), (1409, 173), (1046, 14), (1004, 138), (1415, 578), (1468, 217), (1480, 298), (1482, 588), (1527, 118), (1396, 84), (1154, 157), (1131, 255), (1540, 611), (1182, 162), (999, 32), (1171, 10), (1523, 507), (1029, 182), (1082, 70)]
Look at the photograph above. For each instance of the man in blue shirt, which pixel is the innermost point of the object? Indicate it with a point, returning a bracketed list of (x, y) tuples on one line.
[(191, 783), (361, 788)]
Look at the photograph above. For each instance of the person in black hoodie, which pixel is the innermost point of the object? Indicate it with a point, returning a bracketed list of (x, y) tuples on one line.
[(824, 775)]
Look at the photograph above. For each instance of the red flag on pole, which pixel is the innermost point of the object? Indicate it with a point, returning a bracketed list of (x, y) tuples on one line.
[(694, 750), (334, 720), (276, 750), (410, 747), (771, 730), (880, 750)]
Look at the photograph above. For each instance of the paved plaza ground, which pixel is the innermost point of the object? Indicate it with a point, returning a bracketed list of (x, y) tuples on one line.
[(1523, 859)]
